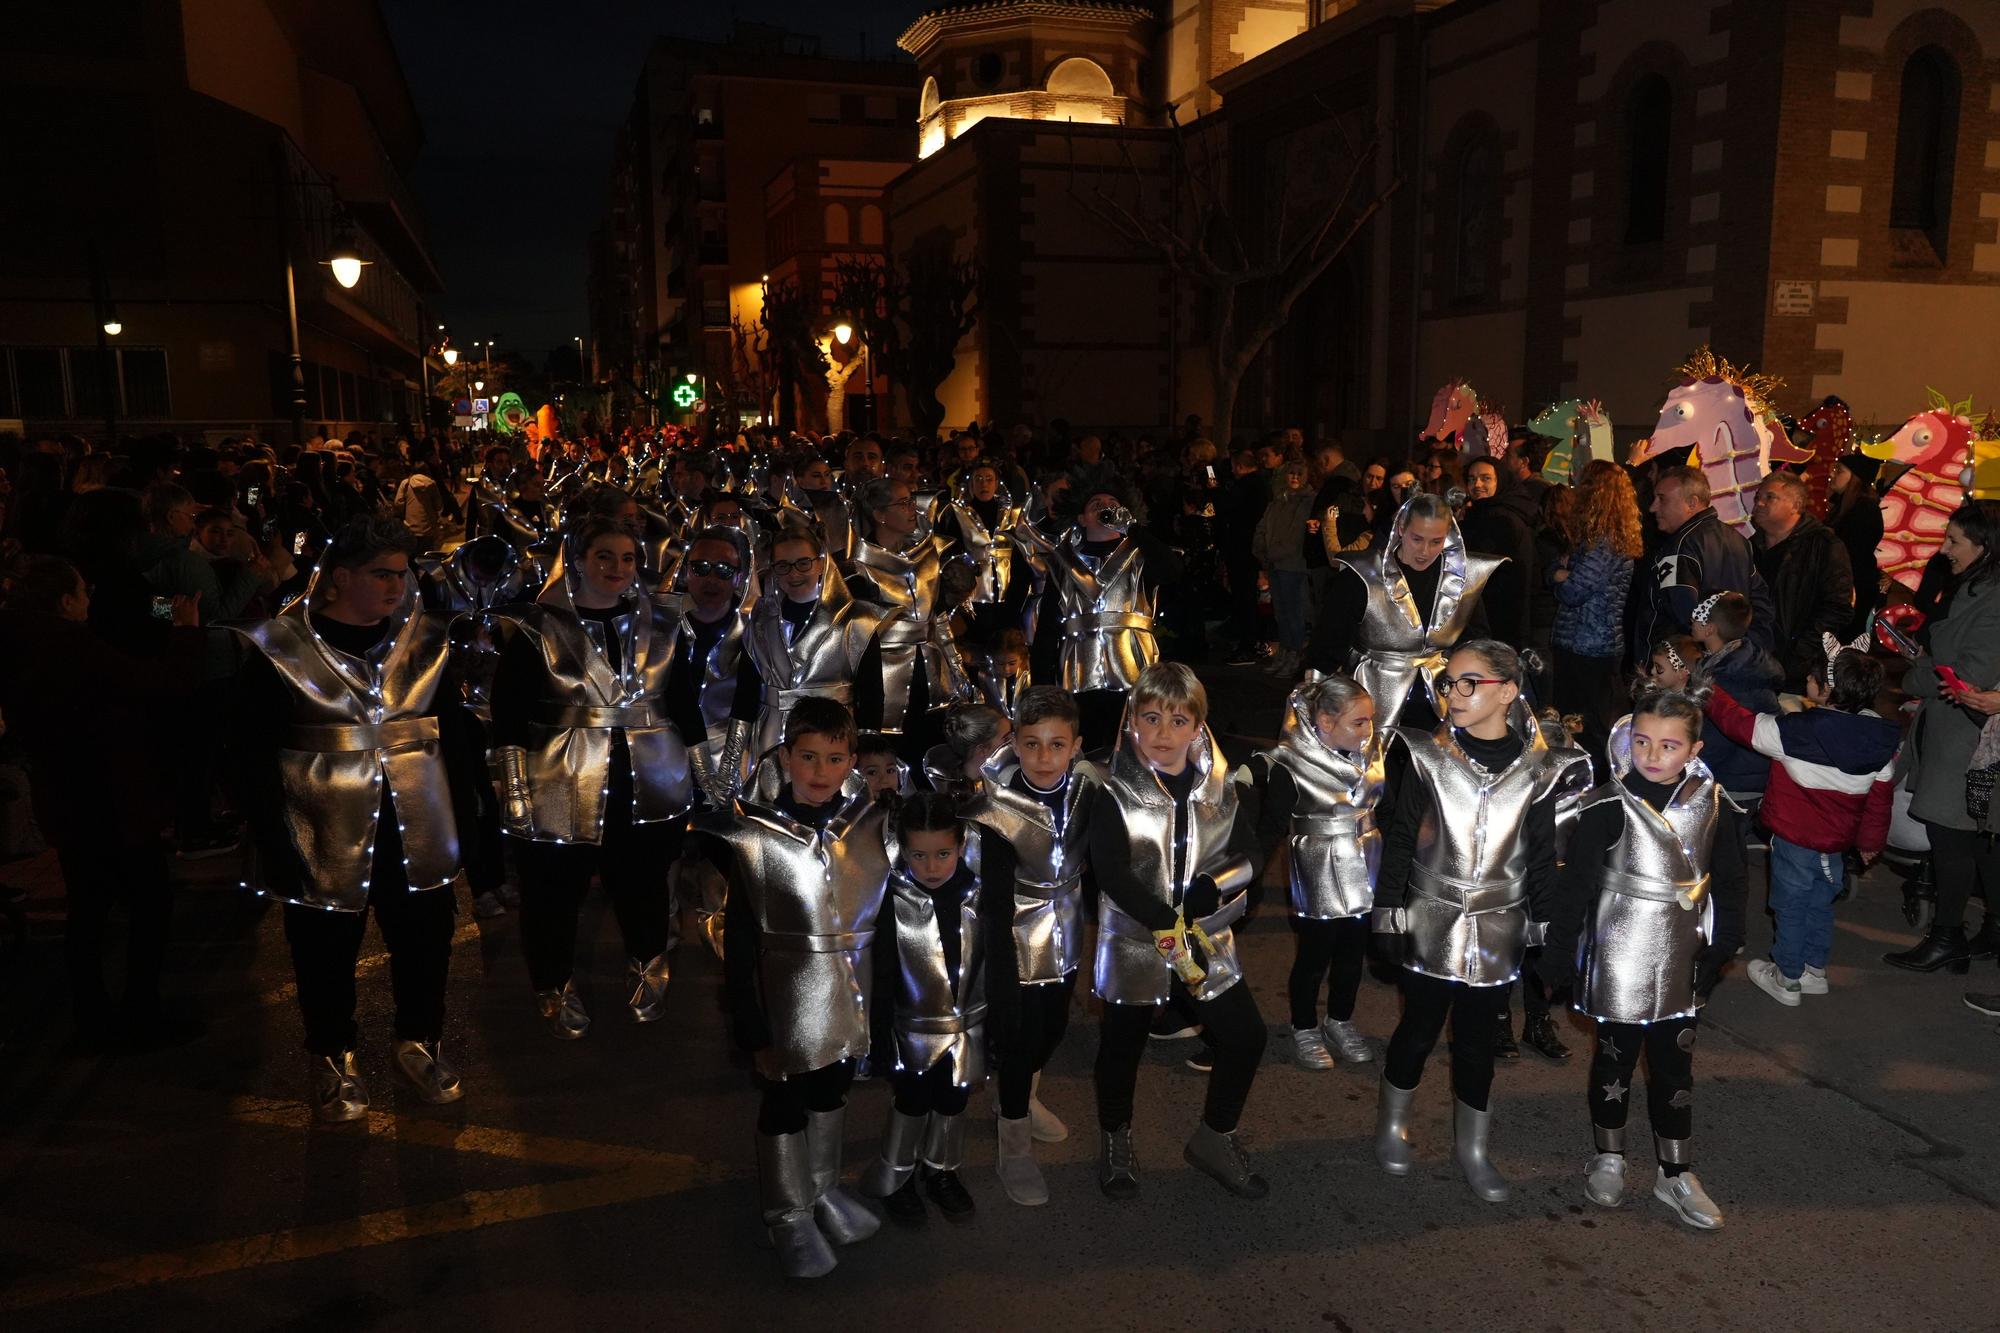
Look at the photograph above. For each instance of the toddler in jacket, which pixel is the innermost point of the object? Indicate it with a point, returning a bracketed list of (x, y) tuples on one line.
[(1750, 675)]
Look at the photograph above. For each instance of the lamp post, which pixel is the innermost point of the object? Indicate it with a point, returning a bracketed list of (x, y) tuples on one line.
[(108, 327), (343, 257)]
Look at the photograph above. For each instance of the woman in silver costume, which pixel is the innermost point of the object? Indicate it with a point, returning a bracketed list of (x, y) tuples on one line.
[(1648, 909)]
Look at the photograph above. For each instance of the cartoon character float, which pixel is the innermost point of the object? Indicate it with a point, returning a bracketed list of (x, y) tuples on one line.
[(1581, 432), (1935, 446)]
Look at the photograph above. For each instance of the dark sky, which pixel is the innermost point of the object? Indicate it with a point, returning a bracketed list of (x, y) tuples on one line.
[(520, 101)]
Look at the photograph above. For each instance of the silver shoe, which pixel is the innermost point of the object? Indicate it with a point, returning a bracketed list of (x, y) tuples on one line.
[(1044, 1123), (1219, 1155), (649, 988), (1684, 1194), (1392, 1128), (842, 1218), (1604, 1179), (563, 1011), (424, 1068), (337, 1092), (1347, 1039), (898, 1161), (785, 1194), (1470, 1130), (1309, 1049), (1014, 1163)]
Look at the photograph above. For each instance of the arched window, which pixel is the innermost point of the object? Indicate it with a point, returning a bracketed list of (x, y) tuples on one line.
[(1475, 220), (871, 224), (1926, 142), (1078, 77), (1649, 121), (928, 103), (836, 224)]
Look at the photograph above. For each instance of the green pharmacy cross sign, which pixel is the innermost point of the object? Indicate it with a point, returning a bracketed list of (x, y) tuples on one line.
[(685, 395)]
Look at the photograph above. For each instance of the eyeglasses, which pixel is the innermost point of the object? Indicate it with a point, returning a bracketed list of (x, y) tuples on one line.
[(805, 566), (1465, 686), (713, 569)]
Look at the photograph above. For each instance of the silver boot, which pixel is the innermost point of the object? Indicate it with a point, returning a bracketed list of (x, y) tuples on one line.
[(337, 1092), (563, 1011), (1346, 1039), (1470, 1130), (944, 1142), (1604, 1178), (1392, 1128), (649, 987), (1014, 1163), (1221, 1156), (900, 1140), (785, 1193), (423, 1067), (842, 1217)]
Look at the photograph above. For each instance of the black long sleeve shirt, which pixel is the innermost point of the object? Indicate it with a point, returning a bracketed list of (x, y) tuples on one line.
[(1407, 797), (1336, 636), (994, 909), (1111, 857)]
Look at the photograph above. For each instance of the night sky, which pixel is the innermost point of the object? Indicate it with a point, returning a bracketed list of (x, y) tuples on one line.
[(520, 102)]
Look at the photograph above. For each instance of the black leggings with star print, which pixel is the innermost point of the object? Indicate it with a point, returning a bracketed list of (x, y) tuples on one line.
[(1669, 1051)]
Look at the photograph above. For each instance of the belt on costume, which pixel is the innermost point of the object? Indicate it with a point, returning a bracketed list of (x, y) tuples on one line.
[(941, 1025), (1654, 890), (1226, 915), (842, 943), (905, 633), (1335, 826), (840, 691), (602, 718), (1047, 892), (1097, 622), (1475, 896), (352, 737)]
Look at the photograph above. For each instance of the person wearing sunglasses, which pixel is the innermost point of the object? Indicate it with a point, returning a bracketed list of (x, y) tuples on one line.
[(1467, 877), (1410, 600), (808, 634)]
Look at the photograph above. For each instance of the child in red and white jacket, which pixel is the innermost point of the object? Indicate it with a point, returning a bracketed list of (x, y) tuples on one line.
[(1832, 775)]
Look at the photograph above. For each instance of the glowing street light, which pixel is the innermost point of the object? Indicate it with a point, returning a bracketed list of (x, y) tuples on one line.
[(112, 326), (843, 332), (451, 356), (344, 257)]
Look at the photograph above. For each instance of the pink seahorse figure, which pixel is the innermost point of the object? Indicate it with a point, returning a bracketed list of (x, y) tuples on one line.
[(1937, 444), (1720, 412), (1486, 433), (1452, 408)]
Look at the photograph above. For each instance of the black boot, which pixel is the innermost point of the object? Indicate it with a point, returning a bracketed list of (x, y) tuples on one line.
[(1503, 1045), (1934, 951), (905, 1207), (1539, 1032), (948, 1192), (1920, 896), (1985, 944)]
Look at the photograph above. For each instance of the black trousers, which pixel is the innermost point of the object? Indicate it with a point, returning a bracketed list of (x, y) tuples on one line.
[(1043, 1020), (1534, 995), (484, 844), (1233, 1027), (1965, 863), (786, 1101), (1669, 1050), (932, 1092), (1592, 688), (1333, 951), (96, 875), (633, 863), (417, 929), (1474, 1012), (1102, 711)]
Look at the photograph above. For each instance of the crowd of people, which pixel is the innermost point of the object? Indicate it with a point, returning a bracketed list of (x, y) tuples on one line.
[(907, 731)]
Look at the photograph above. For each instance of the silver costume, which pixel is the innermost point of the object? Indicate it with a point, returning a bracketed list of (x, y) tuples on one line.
[(1336, 849), (1048, 877), (991, 551), (357, 724), (567, 768), (452, 588), (935, 1020), (1107, 612), (815, 894), (820, 662), (907, 582), (1399, 642), (1466, 917), (1636, 957), (1130, 969)]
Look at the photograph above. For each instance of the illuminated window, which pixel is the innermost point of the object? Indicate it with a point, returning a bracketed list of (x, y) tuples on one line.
[(1078, 77)]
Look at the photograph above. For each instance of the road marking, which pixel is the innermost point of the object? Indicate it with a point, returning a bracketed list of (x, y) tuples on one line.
[(621, 1175)]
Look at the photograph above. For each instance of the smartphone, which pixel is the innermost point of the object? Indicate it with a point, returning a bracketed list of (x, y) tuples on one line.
[(163, 608), (251, 495), (299, 544), (1950, 679), (1210, 471)]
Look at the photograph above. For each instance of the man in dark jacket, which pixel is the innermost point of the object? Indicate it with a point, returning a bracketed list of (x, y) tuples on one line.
[(1695, 556), (1854, 512), (1806, 568), (1243, 504), (1492, 526)]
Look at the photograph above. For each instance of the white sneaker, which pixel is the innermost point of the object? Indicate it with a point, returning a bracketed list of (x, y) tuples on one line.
[(1785, 990), (1684, 1194), (1347, 1039), (1812, 981), (1604, 1179), (1309, 1049)]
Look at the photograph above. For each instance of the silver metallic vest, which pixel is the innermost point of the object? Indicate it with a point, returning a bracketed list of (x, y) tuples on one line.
[(819, 663), (1467, 906), (1107, 615), (584, 701), (356, 724), (815, 894), (721, 756), (991, 552), (1400, 642), (449, 588), (1048, 877), (933, 1018), (1336, 848), (1636, 957), (907, 581), (1130, 969)]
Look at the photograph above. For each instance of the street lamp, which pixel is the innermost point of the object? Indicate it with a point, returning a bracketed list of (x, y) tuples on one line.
[(479, 386), (111, 323), (843, 333), (451, 356), (344, 256)]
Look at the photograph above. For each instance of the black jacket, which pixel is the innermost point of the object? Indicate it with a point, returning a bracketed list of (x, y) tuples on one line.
[(1490, 527), (1684, 568), (1859, 528), (1812, 586)]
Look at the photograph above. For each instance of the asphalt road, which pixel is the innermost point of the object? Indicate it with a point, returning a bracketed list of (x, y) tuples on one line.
[(610, 1182)]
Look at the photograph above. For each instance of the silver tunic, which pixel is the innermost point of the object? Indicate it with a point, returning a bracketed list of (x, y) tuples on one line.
[(990, 550), (934, 1019), (450, 588), (1398, 643), (1107, 613), (1336, 848), (1636, 957), (356, 724), (1048, 883), (1130, 969), (815, 894), (907, 582), (585, 701), (1466, 915), (819, 663)]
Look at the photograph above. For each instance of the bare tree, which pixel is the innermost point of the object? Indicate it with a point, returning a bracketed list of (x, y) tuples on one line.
[(1253, 248), (791, 343), (914, 316), (752, 373)]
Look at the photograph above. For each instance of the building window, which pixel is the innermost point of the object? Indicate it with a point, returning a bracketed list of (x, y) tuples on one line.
[(1649, 118), (1475, 220), (39, 373), (823, 108), (836, 224), (68, 383), (987, 69), (879, 109), (1078, 77), (1926, 143)]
